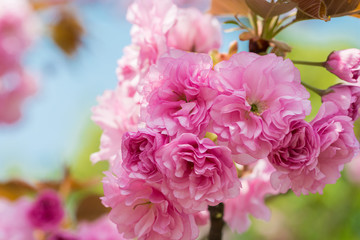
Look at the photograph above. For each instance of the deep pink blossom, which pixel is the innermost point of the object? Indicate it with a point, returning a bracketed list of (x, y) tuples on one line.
[(338, 143), (14, 224), (194, 31), (116, 114), (100, 229), (197, 173), (295, 159), (181, 98), (346, 97), (260, 96), (138, 153), (47, 211), (255, 187), (141, 211), (345, 64), (16, 86)]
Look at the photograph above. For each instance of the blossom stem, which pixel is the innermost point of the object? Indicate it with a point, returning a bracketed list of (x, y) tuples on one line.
[(318, 91), (217, 221), (318, 64)]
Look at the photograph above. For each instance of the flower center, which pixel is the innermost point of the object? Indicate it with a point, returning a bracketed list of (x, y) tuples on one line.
[(254, 108)]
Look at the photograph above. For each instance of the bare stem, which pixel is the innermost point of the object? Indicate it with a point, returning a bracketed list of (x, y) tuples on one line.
[(317, 64), (318, 91)]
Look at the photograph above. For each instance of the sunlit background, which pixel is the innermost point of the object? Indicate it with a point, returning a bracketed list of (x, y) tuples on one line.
[(56, 131)]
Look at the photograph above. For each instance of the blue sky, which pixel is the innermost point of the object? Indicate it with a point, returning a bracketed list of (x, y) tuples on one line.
[(53, 121)]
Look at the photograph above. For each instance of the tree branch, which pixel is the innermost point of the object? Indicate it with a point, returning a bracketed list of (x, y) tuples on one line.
[(217, 221)]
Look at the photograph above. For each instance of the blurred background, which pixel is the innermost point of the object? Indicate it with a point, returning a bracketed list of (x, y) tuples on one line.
[(55, 130)]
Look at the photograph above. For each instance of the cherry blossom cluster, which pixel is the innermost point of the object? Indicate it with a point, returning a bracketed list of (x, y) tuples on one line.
[(182, 134), (44, 217), (17, 32)]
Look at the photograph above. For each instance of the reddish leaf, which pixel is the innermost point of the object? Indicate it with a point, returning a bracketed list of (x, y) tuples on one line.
[(357, 9), (244, 36), (45, 4), (228, 7), (15, 189), (267, 9), (339, 7), (90, 208), (308, 9), (67, 32)]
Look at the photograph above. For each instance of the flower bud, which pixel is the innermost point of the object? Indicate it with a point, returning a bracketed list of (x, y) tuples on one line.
[(345, 64)]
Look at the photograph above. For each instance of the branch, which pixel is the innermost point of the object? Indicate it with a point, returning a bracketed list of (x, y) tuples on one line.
[(217, 221)]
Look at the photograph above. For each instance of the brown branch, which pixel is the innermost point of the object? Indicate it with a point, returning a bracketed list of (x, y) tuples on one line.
[(217, 221)]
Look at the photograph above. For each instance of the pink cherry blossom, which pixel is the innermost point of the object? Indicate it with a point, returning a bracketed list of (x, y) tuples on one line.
[(338, 143), (17, 32), (116, 114), (295, 159), (255, 187), (47, 211), (100, 229), (63, 235), (181, 98), (15, 86), (345, 64), (138, 154), (353, 170), (346, 97), (151, 21), (202, 217), (197, 173), (141, 211), (14, 224), (260, 96), (159, 26), (200, 4), (194, 31)]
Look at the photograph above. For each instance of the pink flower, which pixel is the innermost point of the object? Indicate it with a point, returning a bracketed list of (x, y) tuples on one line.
[(116, 114), (158, 27), (338, 143), (100, 229), (47, 211), (15, 86), (17, 25), (14, 224), (345, 64), (194, 31), (346, 97), (255, 187), (138, 153), (151, 21), (353, 170), (197, 173), (295, 159), (141, 211), (200, 4), (181, 98), (202, 217), (63, 235), (249, 119)]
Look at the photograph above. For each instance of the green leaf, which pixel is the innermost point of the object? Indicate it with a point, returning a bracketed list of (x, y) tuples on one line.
[(231, 22)]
